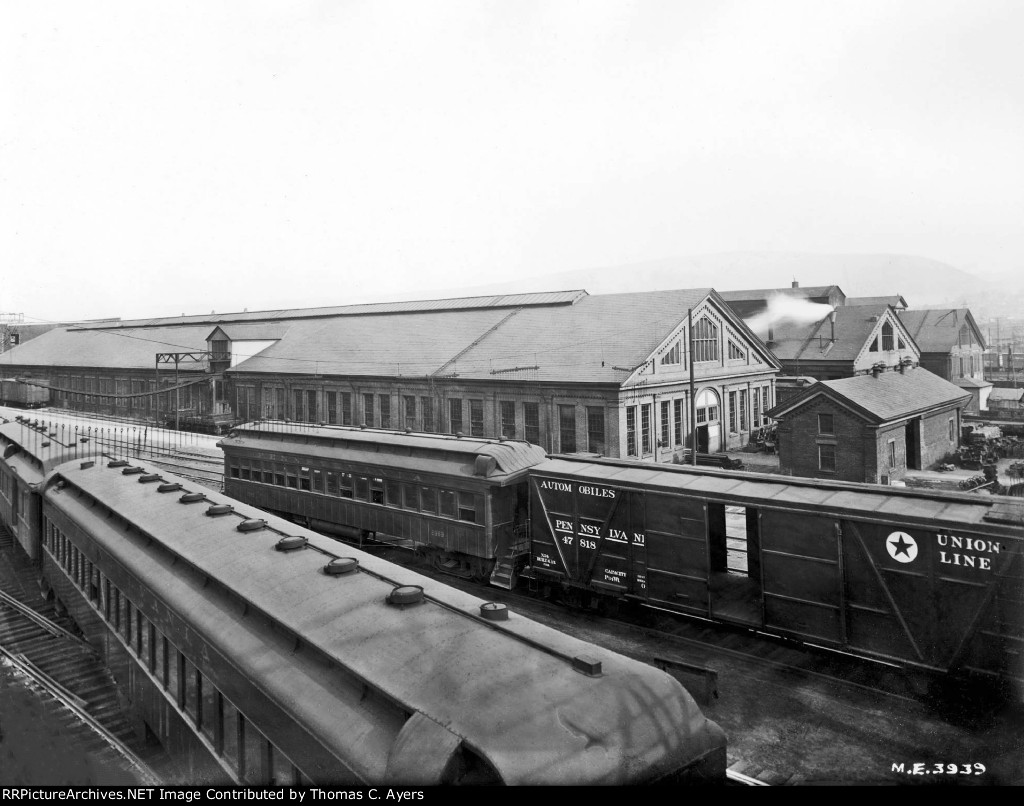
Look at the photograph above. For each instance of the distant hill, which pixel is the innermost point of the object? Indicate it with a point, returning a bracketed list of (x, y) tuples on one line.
[(922, 281)]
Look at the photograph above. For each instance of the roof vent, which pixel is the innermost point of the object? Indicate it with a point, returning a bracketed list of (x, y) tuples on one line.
[(132, 471), (44, 444), (494, 611), (587, 665), (484, 466), (291, 543), (191, 498), (215, 510), (405, 595), (459, 435), (117, 463), (168, 488), (86, 465), (340, 566), (149, 478), (251, 525)]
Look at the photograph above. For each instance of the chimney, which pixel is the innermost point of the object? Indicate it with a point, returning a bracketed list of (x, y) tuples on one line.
[(771, 336), (832, 321), (796, 284)]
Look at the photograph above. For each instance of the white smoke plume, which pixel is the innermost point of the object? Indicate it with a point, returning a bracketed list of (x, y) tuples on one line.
[(785, 308)]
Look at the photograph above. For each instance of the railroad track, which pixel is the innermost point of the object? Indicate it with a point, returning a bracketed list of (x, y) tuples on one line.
[(65, 674)]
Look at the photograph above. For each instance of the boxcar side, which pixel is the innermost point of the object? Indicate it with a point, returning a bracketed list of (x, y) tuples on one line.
[(935, 582)]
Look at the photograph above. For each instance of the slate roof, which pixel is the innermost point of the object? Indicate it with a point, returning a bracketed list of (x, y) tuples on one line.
[(597, 339), (545, 298), (854, 324), (889, 396), (936, 331), (600, 339), (127, 348)]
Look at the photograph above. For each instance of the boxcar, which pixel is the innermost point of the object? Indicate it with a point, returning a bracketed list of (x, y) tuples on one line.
[(27, 395), (458, 499), (267, 654), (933, 581)]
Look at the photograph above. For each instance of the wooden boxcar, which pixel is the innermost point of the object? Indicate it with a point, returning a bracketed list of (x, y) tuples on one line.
[(31, 395), (263, 653), (458, 499), (934, 581)]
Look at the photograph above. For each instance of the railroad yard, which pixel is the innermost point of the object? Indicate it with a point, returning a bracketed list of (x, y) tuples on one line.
[(794, 715)]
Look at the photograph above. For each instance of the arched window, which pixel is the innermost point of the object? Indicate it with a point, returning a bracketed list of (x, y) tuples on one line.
[(887, 341), (706, 404)]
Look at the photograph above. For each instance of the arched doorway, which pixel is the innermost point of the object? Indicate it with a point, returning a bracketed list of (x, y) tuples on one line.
[(708, 424)]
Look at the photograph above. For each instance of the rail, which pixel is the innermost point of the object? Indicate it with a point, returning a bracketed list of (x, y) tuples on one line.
[(145, 775), (42, 621)]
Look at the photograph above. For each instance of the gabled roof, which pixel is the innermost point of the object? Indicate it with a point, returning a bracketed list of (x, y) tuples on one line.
[(368, 309), (896, 301), (937, 330), (886, 397), (128, 348), (854, 325), (600, 338)]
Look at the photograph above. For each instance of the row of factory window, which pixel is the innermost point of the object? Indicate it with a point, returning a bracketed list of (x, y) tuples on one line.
[(418, 413), (124, 395), (672, 418), (458, 505), (232, 735)]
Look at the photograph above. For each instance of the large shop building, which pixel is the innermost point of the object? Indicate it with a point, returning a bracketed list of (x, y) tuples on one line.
[(573, 372)]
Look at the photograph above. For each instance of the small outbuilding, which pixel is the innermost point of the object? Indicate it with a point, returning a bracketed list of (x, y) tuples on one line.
[(872, 427)]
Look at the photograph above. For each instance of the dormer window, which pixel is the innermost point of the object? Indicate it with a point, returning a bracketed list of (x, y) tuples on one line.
[(220, 349)]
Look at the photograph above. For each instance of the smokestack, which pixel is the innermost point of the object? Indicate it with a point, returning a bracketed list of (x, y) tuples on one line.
[(771, 336), (832, 321), (796, 284)]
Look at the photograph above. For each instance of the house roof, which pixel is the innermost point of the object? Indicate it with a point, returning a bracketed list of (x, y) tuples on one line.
[(1002, 393), (938, 330), (888, 396), (854, 325), (600, 338), (545, 298), (120, 348)]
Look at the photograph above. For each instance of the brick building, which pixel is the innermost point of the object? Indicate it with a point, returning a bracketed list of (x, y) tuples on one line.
[(870, 428), (569, 371), (953, 347)]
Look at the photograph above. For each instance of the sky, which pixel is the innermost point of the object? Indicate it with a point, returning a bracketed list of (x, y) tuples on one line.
[(182, 157)]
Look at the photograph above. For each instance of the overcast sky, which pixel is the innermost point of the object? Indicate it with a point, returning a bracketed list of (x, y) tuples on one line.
[(160, 158)]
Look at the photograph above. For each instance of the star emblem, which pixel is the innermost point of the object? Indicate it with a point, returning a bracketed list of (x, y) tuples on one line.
[(901, 547)]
